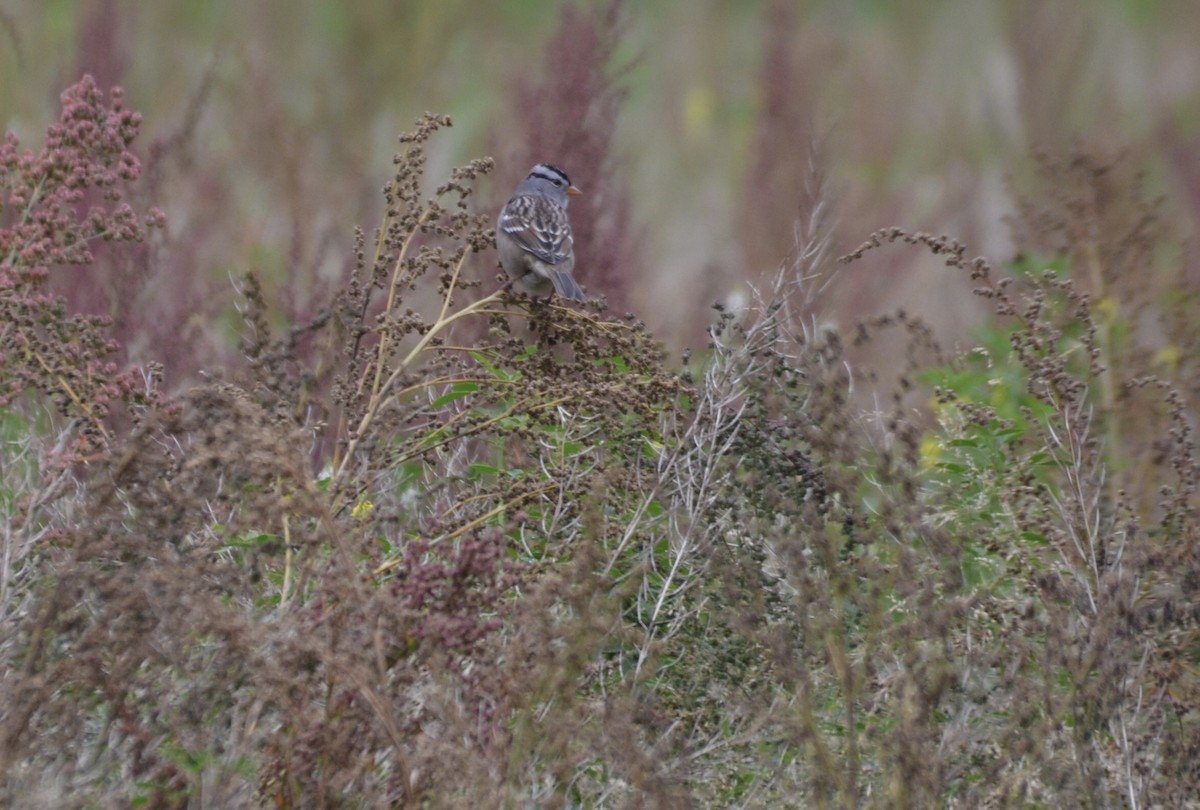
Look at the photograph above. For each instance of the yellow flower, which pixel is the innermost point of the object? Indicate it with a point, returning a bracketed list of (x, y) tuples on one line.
[(931, 451), (362, 509)]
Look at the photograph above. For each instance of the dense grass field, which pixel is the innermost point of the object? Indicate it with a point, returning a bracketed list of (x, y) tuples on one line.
[(867, 478)]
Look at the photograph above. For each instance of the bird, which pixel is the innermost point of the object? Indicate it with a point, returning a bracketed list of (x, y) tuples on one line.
[(533, 235)]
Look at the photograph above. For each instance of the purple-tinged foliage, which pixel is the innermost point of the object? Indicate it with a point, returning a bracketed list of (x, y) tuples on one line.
[(569, 118), (57, 205)]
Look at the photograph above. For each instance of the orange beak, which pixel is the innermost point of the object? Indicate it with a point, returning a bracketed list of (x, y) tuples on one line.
[(573, 192)]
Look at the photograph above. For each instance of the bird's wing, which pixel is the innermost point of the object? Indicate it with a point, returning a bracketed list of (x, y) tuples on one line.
[(539, 227)]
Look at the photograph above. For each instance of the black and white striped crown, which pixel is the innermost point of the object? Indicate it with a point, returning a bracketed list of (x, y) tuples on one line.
[(546, 171)]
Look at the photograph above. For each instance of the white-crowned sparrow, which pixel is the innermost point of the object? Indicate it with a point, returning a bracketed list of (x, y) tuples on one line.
[(533, 235)]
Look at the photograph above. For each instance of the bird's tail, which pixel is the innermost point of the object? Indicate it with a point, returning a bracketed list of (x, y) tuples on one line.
[(565, 286)]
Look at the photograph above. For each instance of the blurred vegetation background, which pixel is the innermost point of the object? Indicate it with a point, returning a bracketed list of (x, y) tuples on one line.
[(269, 129), (539, 561)]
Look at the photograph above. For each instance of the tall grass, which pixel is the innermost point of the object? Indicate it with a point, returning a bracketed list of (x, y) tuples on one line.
[(436, 544)]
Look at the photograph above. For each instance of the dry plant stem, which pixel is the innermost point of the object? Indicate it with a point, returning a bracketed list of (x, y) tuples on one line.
[(423, 448), (955, 253), (394, 733), (287, 561), (66, 386), (34, 199), (1108, 386), (440, 381), (395, 286), (384, 567), (379, 395), (1088, 505), (692, 469), (380, 241), (669, 472)]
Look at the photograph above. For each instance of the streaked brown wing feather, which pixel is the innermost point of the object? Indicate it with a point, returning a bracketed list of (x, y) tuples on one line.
[(539, 229)]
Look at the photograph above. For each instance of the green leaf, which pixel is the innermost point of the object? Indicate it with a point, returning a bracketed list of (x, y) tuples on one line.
[(456, 392), (616, 361), (1035, 538), (482, 360)]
